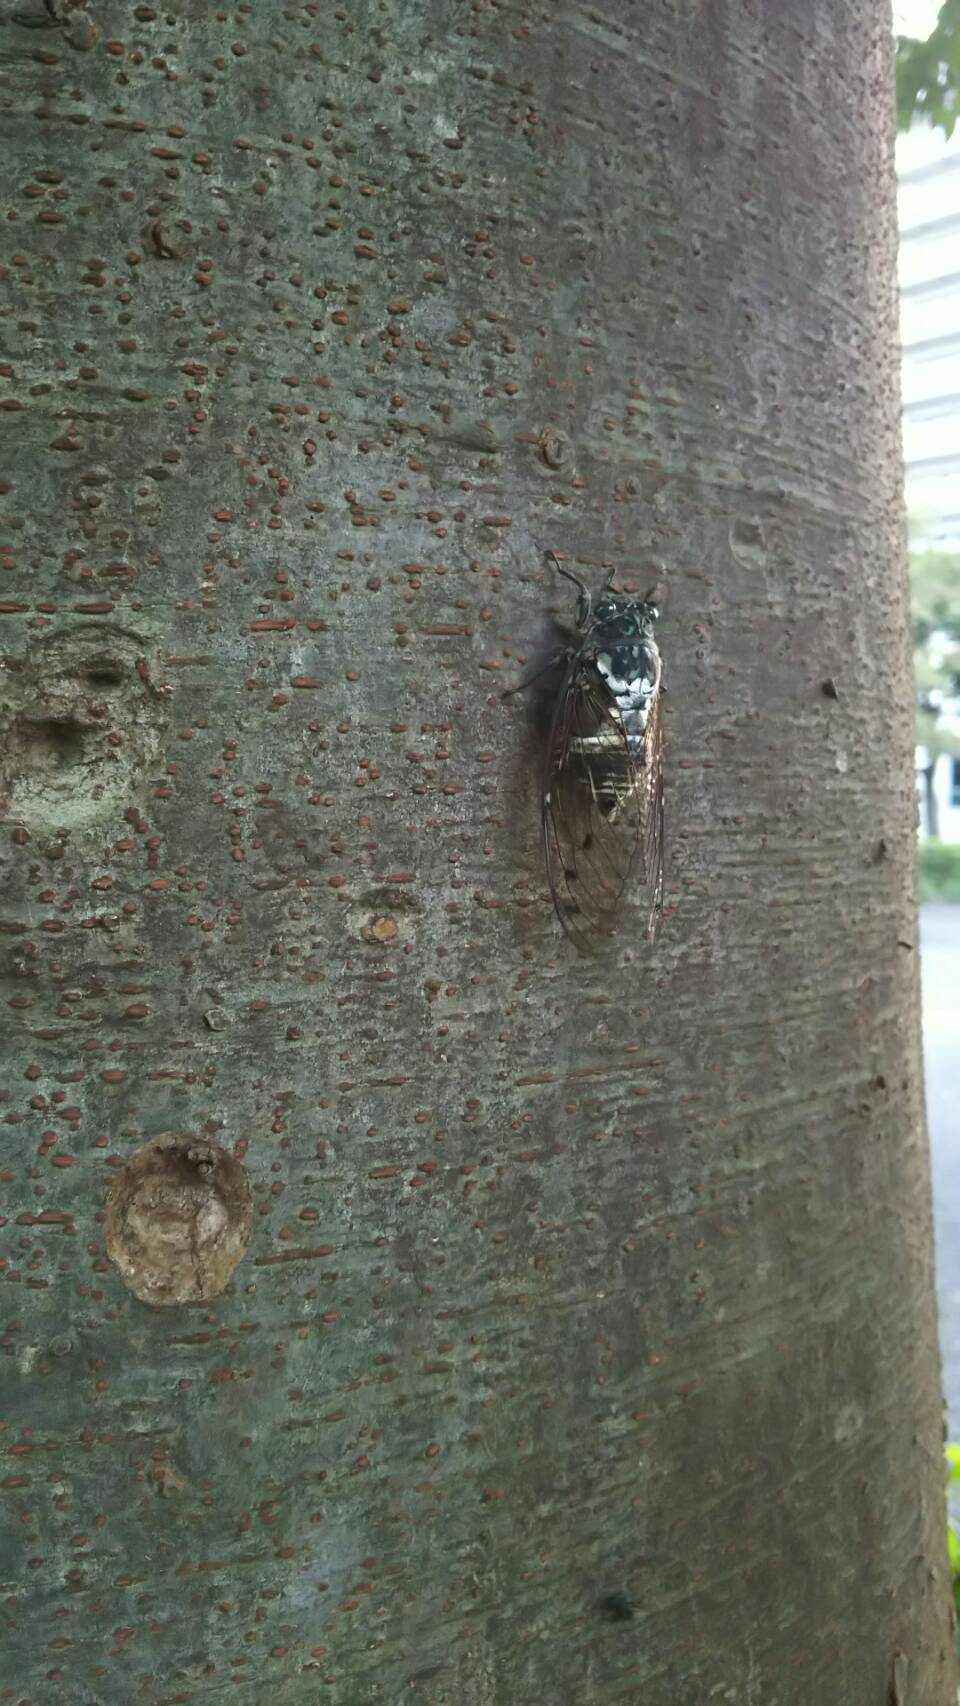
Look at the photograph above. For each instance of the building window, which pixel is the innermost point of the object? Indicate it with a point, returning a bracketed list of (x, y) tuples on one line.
[(955, 781)]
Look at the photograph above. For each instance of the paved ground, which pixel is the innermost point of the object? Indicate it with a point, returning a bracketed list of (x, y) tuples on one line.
[(940, 964)]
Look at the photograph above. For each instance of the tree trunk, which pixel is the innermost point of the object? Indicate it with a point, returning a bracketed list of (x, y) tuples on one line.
[(584, 1345)]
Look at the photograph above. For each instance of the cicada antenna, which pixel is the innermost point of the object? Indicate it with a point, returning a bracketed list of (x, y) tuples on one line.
[(567, 573)]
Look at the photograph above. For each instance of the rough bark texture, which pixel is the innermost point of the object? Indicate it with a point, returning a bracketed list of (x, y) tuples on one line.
[(574, 1287)]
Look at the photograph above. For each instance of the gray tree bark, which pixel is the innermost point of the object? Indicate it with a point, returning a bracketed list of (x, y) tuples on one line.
[(575, 1288)]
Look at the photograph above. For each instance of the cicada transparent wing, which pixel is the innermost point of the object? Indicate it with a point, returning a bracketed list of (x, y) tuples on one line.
[(602, 809)]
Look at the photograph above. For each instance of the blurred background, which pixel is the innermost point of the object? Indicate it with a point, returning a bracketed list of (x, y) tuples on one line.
[(928, 170)]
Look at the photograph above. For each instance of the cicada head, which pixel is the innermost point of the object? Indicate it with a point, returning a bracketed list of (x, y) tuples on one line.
[(618, 618)]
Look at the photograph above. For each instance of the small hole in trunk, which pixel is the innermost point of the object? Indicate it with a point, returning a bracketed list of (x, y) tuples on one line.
[(52, 743)]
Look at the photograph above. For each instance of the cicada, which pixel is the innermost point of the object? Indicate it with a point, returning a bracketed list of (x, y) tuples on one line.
[(602, 795)]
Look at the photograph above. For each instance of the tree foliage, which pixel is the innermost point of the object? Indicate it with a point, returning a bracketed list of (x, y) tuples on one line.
[(928, 73), (935, 607)]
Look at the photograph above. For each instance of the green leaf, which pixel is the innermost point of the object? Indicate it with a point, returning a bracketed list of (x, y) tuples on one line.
[(928, 73)]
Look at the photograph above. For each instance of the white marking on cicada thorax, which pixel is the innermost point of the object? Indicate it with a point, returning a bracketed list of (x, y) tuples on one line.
[(632, 695), (635, 720)]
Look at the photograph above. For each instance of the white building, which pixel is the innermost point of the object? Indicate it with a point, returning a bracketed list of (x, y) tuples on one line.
[(929, 204)]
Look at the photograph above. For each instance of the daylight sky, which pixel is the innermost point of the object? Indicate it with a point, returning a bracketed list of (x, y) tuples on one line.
[(915, 17)]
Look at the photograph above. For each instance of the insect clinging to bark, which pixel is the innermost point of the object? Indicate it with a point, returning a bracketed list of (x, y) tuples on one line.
[(602, 799)]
